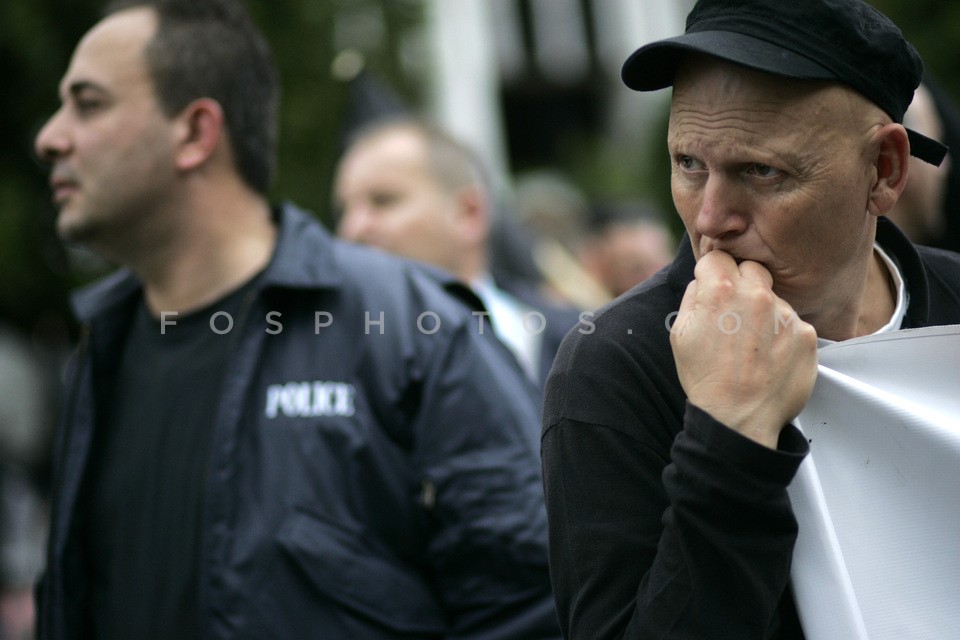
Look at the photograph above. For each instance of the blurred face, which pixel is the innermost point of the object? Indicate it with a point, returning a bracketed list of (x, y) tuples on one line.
[(627, 254), (109, 145), (388, 198), (778, 172), (920, 210)]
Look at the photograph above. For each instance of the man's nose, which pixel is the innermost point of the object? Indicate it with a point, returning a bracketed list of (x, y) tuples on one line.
[(52, 141), (722, 209)]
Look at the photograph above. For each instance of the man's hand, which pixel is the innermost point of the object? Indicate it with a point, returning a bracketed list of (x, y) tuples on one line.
[(742, 353)]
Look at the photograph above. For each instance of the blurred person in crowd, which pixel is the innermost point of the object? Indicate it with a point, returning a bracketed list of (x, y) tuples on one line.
[(552, 210), (668, 445), (928, 210), (624, 244), (24, 438), (267, 432), (410, 188), (511, 250), (551, 206)]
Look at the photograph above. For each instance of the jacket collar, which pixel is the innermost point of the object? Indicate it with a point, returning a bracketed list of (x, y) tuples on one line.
[(902, 251), (303, 258)]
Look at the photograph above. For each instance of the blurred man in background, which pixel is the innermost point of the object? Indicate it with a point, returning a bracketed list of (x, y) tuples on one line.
[(624, 244), (410, 188), (928, 210)]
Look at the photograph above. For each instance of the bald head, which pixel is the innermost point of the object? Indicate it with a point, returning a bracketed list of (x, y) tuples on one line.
[(411, 189)]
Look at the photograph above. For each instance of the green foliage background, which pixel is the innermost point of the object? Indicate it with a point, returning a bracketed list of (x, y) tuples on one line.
[(38, 36)]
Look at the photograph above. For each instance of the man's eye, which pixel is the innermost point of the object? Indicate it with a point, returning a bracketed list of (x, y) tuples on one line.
[(686, 162), (383, 200), (88, 105), (763, 170)]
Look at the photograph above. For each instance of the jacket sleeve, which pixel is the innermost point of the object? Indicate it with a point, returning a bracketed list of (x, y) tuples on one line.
[(477, 444), (653, 538)]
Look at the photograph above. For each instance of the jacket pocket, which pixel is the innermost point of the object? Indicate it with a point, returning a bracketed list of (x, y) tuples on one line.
[(352, 571)]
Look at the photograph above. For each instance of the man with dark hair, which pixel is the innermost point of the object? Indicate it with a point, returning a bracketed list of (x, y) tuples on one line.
[(408, 187), (213, 50), (667, 452), (623, 244), (267, 432)]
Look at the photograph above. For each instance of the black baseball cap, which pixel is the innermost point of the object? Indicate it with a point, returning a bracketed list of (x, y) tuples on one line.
[(846, 41)]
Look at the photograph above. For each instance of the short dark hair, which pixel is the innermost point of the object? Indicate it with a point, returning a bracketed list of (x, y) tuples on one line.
[(212, 49)]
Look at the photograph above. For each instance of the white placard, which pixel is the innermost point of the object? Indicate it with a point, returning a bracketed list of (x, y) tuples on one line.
[(878, 498)]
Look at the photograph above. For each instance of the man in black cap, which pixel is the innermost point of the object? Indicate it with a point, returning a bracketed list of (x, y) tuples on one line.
[(667, 452)]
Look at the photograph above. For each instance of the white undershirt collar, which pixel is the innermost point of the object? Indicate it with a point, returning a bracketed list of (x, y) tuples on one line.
[(900, 311)]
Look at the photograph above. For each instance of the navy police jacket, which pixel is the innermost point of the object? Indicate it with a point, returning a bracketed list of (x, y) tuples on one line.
[(374, 468)]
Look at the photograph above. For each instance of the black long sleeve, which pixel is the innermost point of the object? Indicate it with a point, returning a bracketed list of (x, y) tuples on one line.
[(663, 522)]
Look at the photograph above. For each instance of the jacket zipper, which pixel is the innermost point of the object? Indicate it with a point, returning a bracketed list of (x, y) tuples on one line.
[(55, 583), (203, 561)]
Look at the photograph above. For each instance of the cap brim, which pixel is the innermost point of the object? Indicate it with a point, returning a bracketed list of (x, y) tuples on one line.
[(653, 66)]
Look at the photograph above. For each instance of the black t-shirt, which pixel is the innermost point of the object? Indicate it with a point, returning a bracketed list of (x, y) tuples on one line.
[(144, 489)]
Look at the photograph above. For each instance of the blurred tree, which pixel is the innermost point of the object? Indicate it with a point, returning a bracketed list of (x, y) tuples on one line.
[(36, 39), (307, 38)]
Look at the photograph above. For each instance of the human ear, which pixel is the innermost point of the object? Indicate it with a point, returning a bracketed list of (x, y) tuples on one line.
[(891, 166), (474, 213), (198, 131)]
